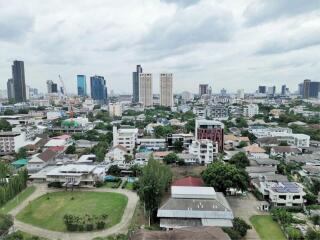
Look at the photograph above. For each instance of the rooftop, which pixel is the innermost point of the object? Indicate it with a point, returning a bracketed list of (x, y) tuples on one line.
[(189, 181)]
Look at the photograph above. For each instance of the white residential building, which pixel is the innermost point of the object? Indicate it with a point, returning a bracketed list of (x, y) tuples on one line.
[(127, 137), (293, 139), (116, 153), (166, 95), (115, 109), (282, 193), (261, 131), (205, 149), (152, 143), (250, 110), (80, 175), (11, 142), (145, 89)]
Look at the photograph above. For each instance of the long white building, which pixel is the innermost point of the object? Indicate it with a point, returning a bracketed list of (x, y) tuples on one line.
[(166, 95), (10, 142), (145, 89)]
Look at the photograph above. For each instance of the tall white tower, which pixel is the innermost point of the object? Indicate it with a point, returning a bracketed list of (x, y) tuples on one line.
[(166, 95), (145, 89)]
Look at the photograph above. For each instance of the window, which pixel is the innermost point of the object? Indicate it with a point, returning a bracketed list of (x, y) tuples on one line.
[(284, 197)]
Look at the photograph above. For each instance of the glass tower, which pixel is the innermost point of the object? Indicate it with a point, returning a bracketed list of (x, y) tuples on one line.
[(82, 85)]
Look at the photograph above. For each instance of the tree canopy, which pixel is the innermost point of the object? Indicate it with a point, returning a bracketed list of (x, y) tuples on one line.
[(222, 176), (5, 125), (240, 160), (152, 184)]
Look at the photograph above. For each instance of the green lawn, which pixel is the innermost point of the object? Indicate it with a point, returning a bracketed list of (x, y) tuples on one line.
[(48, 210), (17, 200), (267, 228), (129, 186)]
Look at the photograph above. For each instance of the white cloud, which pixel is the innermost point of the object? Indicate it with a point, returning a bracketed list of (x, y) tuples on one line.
[(198, 40)]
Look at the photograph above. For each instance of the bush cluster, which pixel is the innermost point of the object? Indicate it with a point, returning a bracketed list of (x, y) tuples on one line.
[(85, 223)]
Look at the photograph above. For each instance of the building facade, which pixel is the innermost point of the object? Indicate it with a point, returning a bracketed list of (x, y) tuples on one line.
[(10, 89), (210, 129), (82, 85), (250, 110), (52, 87), (98, 89), (166, 94), (203, 89), (145, 89), (135, 84), (19, 82)]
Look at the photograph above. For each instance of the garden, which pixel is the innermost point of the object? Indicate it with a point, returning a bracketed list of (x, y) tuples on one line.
[(75, 211)]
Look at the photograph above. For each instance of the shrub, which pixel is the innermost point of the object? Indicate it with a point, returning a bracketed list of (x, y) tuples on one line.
[(293, 233), (233, 234), (99, 184), (240, 226)]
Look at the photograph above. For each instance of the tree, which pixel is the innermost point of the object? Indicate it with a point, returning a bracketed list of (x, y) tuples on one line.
[(312, 234), (178, 146), (152, 184), (171, 158), (282, 215), (162, 131), (190, 126), (242, 144), (128, 158), (6, 221), (240, 160), (251, 136), (114, 170), (311, 198), (22, 153), (136, 170), (8, 112), (294, 233), (283, 143), (222, 176), (5, 125), (240, 226), (241, 122), (71, 149)]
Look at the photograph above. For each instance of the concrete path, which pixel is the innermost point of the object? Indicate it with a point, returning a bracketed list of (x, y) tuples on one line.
[(121, 227), (245, 207)]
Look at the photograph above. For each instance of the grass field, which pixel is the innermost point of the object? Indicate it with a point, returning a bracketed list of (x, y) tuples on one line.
[(129, 186), (267, 228), (48, 210), (17, 199)]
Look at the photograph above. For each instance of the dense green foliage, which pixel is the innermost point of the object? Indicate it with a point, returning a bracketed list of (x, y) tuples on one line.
[(240, 226), (222, 176), (5, 125), (71, 149), (171, 158), (6, 221), (85, 223), (152, 184), (240, 160)]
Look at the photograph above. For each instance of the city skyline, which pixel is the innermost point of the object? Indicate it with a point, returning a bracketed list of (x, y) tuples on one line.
[(225, 44)]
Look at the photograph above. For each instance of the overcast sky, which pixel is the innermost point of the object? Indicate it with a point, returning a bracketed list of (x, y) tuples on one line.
[(229, 44)]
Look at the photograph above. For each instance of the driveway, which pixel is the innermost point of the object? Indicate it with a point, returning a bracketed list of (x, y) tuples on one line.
[(121, 227), (245, 207)]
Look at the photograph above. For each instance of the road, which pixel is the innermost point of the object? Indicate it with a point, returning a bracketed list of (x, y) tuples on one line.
[(41, 189)]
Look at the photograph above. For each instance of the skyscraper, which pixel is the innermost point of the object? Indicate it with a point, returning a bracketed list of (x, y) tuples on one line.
[(135, 84), (262, 89), (145, 89), (19, 82), (10, 88), (309, 89), (98, 89), (203, 89), (82, 85), (166, 95), (306, 88), (52, 87)]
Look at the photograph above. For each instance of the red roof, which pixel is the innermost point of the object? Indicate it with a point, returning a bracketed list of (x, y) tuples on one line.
[(189, 181), (56, 148), (62, 137)]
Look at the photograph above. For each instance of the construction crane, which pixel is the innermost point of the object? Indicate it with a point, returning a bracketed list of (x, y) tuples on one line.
[(64, 92)]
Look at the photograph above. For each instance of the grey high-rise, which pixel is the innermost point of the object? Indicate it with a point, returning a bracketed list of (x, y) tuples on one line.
[(10, 89), (135, 84), (19, 81)]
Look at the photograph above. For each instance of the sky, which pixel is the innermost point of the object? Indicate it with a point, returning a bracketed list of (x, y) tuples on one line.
[(225, 43)]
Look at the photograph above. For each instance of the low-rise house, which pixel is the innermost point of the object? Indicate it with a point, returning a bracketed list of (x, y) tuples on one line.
[(116, 153), (142, 158), (189, 159), (312, 171), (160, 155), (86, 159), (186, 138), (82, 143), (312, 159), (283, 151), (41, 160), (152, 143), (257, 171), (254, 151), (63, 140), (267, 141), (195, 207), (264, 162), (282, 194), (79, 175), (232, 141)]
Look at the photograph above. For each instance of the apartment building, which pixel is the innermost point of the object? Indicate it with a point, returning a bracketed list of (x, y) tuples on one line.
[(11, 142), (126, 137), (166, 94), (204, 149), (250, 110), (145, 89)]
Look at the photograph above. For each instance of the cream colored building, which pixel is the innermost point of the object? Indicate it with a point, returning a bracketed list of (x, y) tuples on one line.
[(166, 96), (145, 89), (115, 109)]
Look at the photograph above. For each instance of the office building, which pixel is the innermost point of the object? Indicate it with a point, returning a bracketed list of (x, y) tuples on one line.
[(135, 84), (223, 92), (19, 82), (145, 89), (203, 89), (10, 89), (82, 85), (309, 89), (210, 129), (284, 90), (52, 87), (262, 90), (98, 89), (272, 91), (166, 95)]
